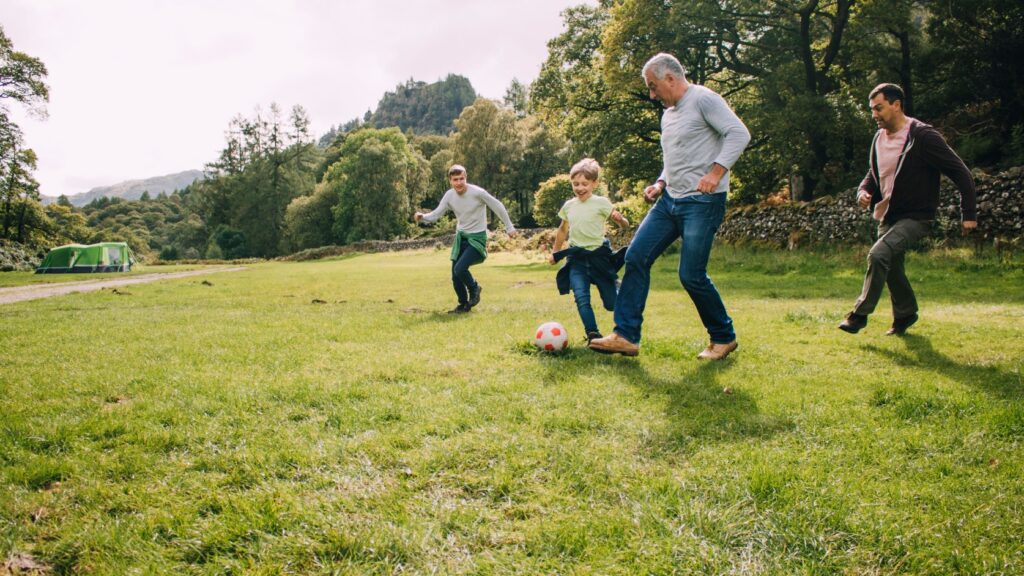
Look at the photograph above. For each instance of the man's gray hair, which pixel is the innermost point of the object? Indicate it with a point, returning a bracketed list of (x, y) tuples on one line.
[(662, 64)]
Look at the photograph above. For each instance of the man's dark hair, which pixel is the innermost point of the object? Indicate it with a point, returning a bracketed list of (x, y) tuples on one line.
[(891, 93)]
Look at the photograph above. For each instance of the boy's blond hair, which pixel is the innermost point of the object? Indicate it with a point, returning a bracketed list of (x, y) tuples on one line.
[(589, 167)]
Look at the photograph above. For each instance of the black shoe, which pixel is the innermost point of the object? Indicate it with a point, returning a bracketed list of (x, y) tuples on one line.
[(460, 309), (900, 325), (592, 335), (474, 295), (854, 323)]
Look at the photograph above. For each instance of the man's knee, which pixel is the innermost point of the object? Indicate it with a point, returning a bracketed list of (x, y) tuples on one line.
[(879, 256), (636, 261), (693, 279)]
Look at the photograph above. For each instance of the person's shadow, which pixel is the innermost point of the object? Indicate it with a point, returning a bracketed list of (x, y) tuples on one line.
[(921, 354), (701, 404)]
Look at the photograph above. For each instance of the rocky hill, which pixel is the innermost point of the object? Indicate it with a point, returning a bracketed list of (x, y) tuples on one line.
[(133, 189)]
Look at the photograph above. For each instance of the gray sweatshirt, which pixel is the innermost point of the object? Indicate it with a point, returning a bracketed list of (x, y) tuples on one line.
[(470, 209), (698, 131)]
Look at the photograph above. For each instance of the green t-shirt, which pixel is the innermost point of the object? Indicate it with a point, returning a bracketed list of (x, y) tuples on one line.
[(586, 220)]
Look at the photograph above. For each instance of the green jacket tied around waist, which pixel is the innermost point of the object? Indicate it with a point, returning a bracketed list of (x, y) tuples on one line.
[(477, 240)]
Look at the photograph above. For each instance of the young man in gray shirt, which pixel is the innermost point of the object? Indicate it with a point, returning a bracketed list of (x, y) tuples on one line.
[(469, 202), (701, 139)]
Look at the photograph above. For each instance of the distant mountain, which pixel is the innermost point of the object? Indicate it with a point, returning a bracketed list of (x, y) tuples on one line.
[(133, 189)]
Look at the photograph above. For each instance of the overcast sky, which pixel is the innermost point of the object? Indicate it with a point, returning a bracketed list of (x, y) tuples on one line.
[(142, 88)]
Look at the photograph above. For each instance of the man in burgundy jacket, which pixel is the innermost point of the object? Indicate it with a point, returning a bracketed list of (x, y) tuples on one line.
[(901, 189)]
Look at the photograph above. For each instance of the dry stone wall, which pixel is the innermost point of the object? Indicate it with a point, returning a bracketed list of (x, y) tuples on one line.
[(838, 219)]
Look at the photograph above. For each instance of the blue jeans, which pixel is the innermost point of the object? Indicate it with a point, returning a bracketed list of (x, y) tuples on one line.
[(579, 282), (462, 280), (695, 219)]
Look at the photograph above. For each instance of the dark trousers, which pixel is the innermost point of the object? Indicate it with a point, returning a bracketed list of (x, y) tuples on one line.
[(885, 268), (462, 280)]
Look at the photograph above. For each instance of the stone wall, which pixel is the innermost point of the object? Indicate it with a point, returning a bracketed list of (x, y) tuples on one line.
[(838, 219)]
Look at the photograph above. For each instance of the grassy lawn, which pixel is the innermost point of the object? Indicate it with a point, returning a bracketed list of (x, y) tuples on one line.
[(329, 417)]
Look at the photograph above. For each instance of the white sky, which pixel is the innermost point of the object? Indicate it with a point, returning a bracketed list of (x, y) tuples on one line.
[(142, 88)]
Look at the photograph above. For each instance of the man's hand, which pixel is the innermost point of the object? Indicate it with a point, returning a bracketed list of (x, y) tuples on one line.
[(652, 192), (863, 199), (512, 233), (417, 216), (551, 259), (708, 183), (969, 225)]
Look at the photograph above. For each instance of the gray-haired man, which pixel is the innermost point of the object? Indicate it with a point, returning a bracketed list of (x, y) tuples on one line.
[(701, 138)]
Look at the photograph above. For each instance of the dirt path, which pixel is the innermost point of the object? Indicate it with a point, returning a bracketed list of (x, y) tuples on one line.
[(19, 293)]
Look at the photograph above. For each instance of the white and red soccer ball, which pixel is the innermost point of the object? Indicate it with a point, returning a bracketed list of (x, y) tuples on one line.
[(551, 337)]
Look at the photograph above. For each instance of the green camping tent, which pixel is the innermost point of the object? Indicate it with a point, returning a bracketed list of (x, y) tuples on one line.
[(102, 257)]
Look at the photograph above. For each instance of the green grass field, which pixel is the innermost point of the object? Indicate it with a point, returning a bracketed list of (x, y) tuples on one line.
[(329, 417)]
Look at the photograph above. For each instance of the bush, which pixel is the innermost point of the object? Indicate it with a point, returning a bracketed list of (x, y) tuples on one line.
[(169, 253), (549, 198)]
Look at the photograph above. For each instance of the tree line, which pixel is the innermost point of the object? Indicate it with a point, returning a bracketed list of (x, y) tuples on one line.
[(797, 72)]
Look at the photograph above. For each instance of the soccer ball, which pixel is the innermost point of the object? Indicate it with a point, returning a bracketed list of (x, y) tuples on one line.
[(551, 337)]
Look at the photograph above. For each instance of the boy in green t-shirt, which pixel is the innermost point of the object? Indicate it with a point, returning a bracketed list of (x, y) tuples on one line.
[(590, 259)]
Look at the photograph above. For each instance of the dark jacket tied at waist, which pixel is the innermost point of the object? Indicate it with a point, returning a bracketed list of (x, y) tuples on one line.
[(604, 264)]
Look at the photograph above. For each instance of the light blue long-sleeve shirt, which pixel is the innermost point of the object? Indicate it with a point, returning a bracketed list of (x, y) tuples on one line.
[(700, 130)]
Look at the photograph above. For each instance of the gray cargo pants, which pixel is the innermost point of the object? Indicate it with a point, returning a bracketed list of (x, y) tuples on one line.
[(885, 268)]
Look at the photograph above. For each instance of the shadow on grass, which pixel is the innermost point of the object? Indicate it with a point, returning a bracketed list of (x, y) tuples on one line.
[(700, 407), (415, 315), (921, 354)]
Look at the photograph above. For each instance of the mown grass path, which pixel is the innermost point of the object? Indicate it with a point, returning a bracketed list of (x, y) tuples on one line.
[(36, 291), (329, 417)]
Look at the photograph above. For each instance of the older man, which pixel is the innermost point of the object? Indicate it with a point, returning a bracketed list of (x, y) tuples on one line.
[(901, 189), (701, 139)]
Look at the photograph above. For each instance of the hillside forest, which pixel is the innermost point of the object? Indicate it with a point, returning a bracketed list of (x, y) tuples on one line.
[(797, 73)]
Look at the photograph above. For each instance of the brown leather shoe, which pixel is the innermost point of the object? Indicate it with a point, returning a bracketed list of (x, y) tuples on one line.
[(853, 323), (717, 351), (614, 344), (900, 325)]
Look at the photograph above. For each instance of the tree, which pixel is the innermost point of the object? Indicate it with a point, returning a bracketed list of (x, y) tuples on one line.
[(970, 77), (17, 188), (488, 143), (378, 180), (309, 220), (617, 127), (265, 164), (781, 63), (67, 224), (21, 79), (517, 97), (544, 155)]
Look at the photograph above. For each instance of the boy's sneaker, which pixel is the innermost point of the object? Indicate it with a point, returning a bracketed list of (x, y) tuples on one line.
[(460, 309), (593, 335), (474, 295)]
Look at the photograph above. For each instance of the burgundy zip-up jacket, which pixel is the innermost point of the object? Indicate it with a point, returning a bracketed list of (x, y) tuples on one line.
[(915, 192)]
